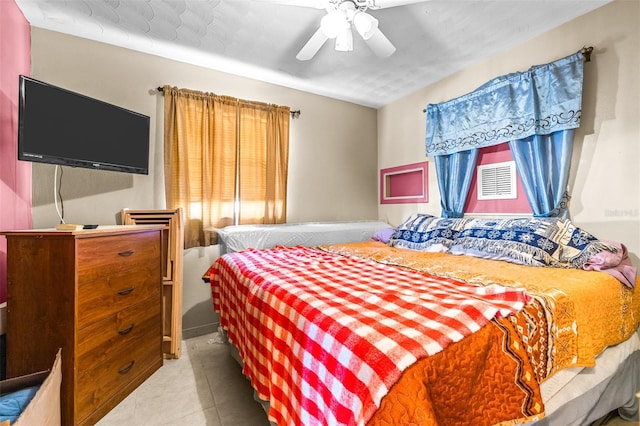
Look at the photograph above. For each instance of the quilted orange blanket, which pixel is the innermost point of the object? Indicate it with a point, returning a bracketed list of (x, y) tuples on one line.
[(493, 376), (487, 378), (587, 310), (490, 377)]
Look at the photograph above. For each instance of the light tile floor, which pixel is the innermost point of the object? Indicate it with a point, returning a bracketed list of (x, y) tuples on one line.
[(204, 387)]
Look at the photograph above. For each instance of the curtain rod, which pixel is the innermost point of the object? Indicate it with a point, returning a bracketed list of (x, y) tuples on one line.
[(586, 52), (294, 114)]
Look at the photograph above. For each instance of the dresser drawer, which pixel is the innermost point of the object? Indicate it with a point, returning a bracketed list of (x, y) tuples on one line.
[(114, 292), (98, 385), (97, 257), (106, 338)]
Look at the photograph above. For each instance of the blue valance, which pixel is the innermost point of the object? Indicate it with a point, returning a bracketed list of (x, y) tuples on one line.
[(544, 99)]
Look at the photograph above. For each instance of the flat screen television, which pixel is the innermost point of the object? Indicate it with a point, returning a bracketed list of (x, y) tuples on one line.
[(58, 126)]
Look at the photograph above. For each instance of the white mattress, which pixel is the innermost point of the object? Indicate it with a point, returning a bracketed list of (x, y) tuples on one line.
[(607, 362), (242, 237), (579, 396)]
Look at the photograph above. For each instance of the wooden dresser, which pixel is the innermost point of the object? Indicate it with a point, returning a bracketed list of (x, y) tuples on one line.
[(97, 295)]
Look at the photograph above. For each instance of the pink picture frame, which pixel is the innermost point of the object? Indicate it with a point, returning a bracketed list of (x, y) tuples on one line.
[(405, 184)]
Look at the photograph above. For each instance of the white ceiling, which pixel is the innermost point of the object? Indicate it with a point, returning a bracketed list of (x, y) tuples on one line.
[(259, 39)]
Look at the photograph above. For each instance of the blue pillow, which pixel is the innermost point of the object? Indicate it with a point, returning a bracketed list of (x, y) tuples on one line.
[(525, 241), (578, 246), (424, 232), (12, 404)]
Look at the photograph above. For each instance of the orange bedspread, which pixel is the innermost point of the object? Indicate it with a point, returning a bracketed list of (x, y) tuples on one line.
[(493, 376), (485, 379)]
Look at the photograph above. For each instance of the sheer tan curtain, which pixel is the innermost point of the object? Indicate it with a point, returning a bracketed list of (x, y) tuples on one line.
[(226, 161)]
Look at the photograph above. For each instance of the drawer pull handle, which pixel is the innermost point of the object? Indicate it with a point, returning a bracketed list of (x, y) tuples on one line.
[(126, 291), (125, 369), (126, 253), (126, 330)]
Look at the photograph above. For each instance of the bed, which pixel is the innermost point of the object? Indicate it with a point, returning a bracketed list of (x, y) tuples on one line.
[(442, 322), (241, 237)]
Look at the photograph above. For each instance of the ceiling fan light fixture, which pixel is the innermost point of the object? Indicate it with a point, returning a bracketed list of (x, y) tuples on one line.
[(365, 24), (344, 40), (339, 22), (334, 23)]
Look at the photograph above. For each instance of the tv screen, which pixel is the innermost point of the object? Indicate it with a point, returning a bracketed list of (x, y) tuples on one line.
[(58, 126)]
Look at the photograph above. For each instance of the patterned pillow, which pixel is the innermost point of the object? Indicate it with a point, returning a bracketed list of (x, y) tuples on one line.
[(526, 241), (424, 232), (577, 246)]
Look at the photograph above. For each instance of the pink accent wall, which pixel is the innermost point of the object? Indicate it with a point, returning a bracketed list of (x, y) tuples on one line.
[(404, 184), (490, 155), (15, 176)]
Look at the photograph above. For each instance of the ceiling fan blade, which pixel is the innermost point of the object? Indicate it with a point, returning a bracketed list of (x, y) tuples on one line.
[(312, 46), (383, 4), (380, 44)]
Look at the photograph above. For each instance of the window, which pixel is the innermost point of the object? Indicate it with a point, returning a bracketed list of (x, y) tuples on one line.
[(490, 157), (497, 181), (226, 161)]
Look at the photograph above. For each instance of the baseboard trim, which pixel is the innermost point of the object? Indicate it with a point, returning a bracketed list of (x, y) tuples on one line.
[(188, 333)]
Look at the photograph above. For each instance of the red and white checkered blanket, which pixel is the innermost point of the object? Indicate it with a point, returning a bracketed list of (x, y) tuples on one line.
[(323, 336)]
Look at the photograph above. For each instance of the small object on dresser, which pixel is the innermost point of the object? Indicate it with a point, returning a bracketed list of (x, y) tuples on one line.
[(68, 227), (89, 226)]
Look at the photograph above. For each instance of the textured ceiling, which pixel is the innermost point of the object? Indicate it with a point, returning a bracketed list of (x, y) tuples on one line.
[(260, 39)]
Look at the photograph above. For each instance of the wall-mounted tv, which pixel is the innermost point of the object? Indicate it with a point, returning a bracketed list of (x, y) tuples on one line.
[(58, 126)]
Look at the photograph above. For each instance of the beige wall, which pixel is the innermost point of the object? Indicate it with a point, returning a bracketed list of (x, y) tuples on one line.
[(605, 181), (336, 148), (333, 154), (333, 148)]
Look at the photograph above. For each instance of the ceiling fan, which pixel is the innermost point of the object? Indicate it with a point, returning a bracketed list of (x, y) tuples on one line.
[(341, 18)]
